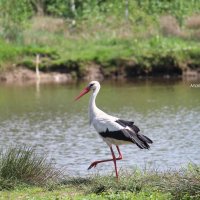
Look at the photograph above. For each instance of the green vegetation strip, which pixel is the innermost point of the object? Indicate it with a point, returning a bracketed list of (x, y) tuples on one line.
[(26, 175), (152, 53)]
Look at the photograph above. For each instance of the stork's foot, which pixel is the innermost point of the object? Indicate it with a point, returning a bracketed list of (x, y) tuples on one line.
[(94, 164)]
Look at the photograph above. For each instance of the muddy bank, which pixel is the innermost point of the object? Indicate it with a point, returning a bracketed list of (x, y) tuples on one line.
[(23, 75), (59, 74), (114, 69)]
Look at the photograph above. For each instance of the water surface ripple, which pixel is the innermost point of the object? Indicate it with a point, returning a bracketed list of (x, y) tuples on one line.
[(49, 120)]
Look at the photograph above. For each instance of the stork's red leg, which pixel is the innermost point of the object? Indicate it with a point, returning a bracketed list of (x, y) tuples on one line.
[(114, 160), (94, 164), (120, 155)]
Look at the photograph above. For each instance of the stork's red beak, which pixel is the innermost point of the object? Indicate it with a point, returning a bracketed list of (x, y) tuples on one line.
[(84, 91)]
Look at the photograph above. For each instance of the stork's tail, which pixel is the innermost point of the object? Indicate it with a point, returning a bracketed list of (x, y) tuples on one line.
[(144, 141), (140, 140)]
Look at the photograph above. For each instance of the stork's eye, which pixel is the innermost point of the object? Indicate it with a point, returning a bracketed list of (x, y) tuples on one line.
[(91, 84)]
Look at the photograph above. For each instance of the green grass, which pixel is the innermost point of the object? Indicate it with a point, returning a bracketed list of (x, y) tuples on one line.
[(26, 175), (134, 185), (69, 193), (21, 165), (176, 184), (8, 52)]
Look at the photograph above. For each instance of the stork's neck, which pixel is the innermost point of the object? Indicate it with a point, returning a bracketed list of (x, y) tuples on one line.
[(92, 105)]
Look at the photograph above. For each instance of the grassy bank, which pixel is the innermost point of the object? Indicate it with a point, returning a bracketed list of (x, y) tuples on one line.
[(26, 175), (153, 39), (183, 184), (156, 55)]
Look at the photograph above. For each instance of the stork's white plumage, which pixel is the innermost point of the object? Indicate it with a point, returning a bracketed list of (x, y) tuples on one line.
[(113, 130)]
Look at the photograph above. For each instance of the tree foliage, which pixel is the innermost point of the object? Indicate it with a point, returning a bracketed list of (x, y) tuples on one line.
[(14, 15), (64, 7)]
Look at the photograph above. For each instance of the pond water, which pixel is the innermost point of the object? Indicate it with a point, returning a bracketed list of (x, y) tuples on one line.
[(46, 117)]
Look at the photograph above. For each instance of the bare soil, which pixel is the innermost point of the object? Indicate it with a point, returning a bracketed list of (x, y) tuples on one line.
[(20, 75), (23, 75)]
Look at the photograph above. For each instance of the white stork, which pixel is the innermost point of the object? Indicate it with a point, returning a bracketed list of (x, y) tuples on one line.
[(113, 130)]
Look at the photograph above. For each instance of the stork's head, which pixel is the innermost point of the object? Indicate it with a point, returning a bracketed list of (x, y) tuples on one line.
[(93, 85)]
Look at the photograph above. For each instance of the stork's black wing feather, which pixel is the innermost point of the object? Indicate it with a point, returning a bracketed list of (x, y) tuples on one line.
[(127, 135), (140, 140), (145, 138), (124, 123), (130, 124), (118, 135)]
